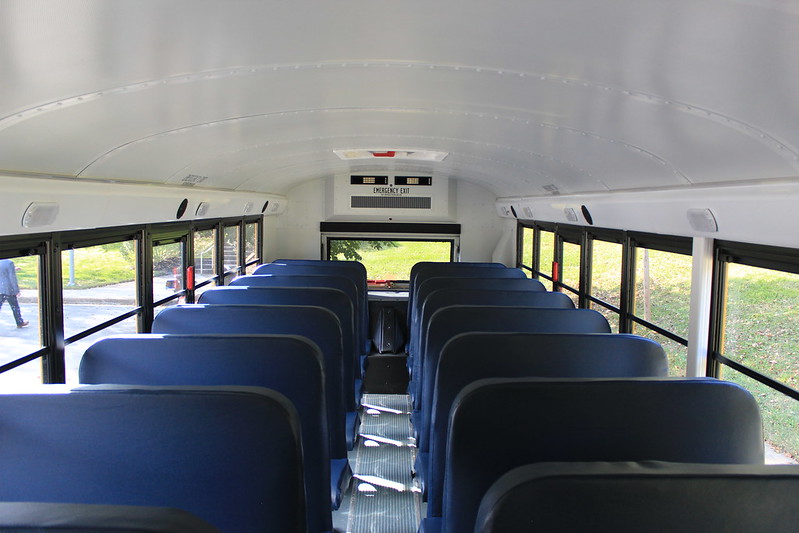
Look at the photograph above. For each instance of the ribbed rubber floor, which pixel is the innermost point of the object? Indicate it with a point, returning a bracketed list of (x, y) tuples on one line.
[(383, 497)]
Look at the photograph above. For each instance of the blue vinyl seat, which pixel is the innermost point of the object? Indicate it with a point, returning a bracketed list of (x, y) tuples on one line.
[(466, 284), (423, 271), (317, 324), (344, 284), (642, 497), (229, 455), (37, 517), (447, 322), (469, 357), (440, 298), (291, 365), (355, 267), (547, 420), (333, 299), (356, 275)]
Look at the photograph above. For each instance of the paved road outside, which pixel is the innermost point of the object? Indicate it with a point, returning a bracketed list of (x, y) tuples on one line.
[(83, 309)]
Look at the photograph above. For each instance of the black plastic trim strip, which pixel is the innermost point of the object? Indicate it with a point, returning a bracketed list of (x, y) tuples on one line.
[(389, 227), (757, 376), (99, 327), (22, 360)]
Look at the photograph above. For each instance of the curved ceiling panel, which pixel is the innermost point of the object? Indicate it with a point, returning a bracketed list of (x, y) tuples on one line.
[(526, 98)]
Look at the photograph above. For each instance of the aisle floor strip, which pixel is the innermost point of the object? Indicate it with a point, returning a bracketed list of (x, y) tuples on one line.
[(383, 497)]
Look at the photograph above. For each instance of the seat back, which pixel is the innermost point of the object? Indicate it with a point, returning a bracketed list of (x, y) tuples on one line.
[(643, 497), (333, 299), (229, 455), (356, 276), (470, 357), (441, 298), (353, 266), (450, 321), (424, 267), (290, 365), (680, 420), (319, 325), (341, 283), (469, 283), (427, 269), (37, 517)]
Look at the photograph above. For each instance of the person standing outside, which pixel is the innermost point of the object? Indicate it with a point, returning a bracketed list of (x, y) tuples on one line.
[(9, 290)]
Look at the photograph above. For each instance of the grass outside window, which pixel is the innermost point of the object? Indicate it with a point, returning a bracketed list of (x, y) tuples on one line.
[(389, 260)]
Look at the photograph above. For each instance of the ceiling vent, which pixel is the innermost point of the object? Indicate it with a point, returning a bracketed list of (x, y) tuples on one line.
[(391, 202), (192, 179)]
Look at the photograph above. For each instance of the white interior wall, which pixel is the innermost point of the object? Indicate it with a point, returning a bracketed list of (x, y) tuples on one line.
[(481, 228), (295, 233), (91, 204), (763, 213)]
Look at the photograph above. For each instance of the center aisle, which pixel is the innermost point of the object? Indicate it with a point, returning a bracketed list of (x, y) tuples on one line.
[(383, 497)]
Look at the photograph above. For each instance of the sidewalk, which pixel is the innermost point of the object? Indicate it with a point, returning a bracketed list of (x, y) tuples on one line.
[(117, 294)]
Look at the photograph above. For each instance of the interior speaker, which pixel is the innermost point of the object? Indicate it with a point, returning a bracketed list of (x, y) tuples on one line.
[(587, 215), (702, 219), (247, 208), (182, 208), (571, 214), (39, 214), (202, 209)]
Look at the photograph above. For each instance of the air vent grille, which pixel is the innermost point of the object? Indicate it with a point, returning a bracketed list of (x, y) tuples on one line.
[(193, 179), (390, 202)]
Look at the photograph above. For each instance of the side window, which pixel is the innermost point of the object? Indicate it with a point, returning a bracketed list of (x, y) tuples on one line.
[(570, 270), (525, 260), (606, 269), (20, 332), (546, 246), (252, 254), (168, 279), (663, 299), (231, 247), (204, 260), (99, 290), (760, 333)]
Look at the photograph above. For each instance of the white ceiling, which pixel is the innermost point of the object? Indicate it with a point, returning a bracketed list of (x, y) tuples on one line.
[(582, 95)]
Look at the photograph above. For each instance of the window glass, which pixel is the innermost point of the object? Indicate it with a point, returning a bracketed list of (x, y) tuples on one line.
[(570, 269), (606, 270), (762, 321), (388, 261), (780, 415), (99, 285), (251, 247), (74, 351), (526, 258), (19, 318), (663, 289), (167, 270), (547, 255), (676, 353), (231, 258), (204, 258)]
